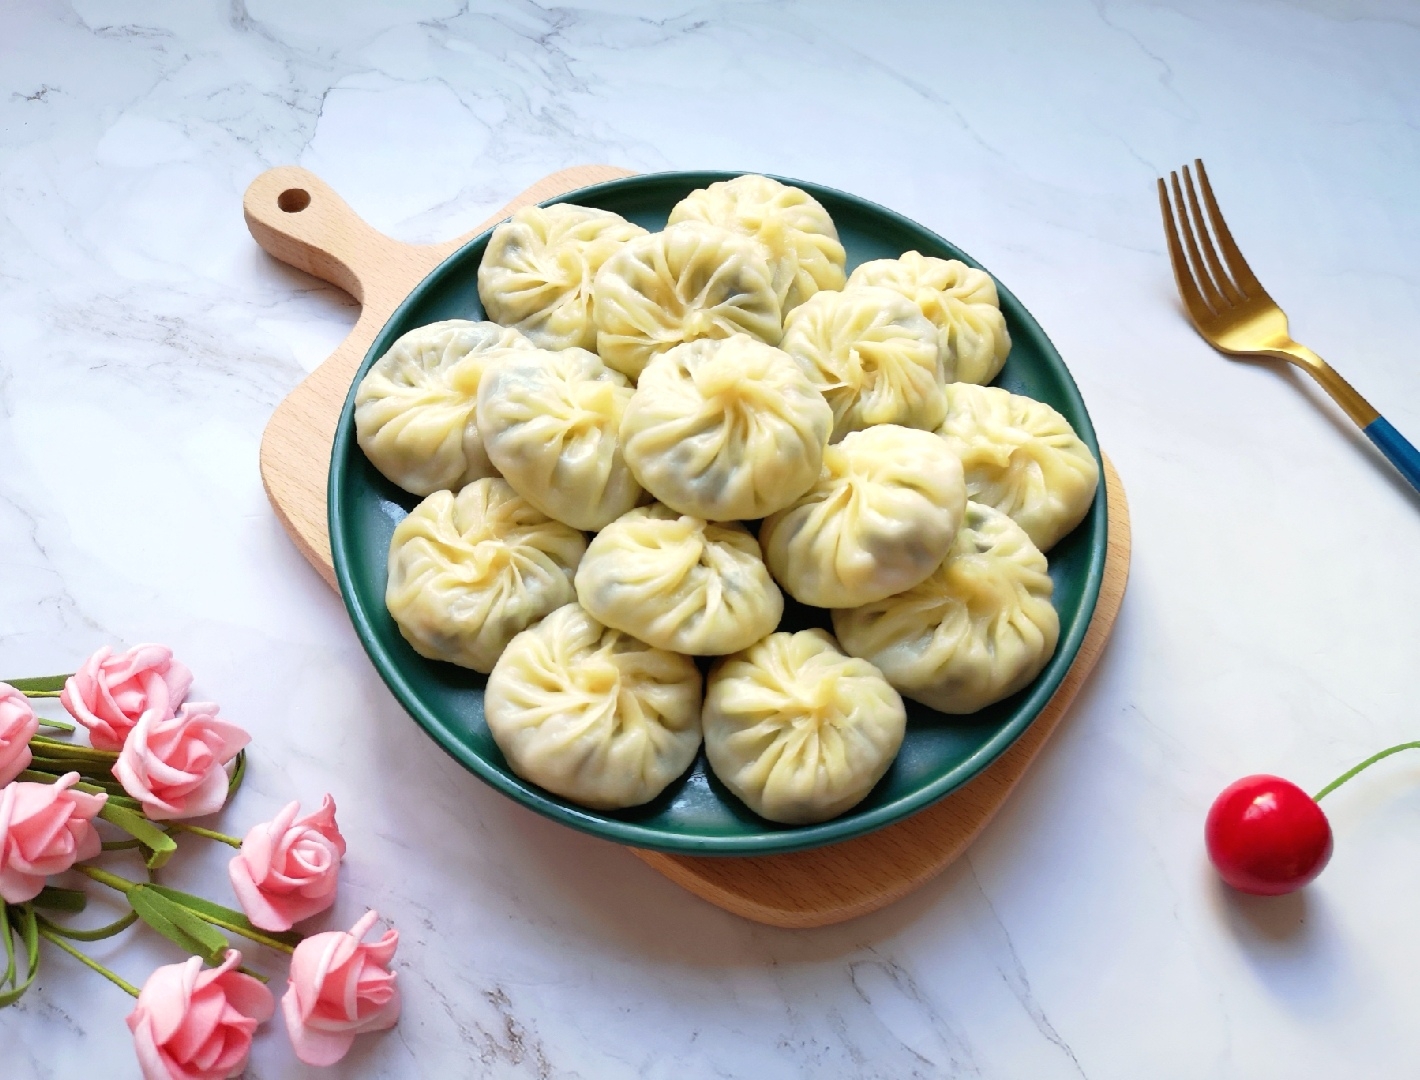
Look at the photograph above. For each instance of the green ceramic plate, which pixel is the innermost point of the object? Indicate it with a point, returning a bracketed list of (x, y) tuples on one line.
[(696, 815)]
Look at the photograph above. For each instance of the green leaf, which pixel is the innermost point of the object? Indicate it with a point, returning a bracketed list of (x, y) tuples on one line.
[(178, 924), (29, 935), (57, 899), (43, 684), (159, 843), (229, 919)]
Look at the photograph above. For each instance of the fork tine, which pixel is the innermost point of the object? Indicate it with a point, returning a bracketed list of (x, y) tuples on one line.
[(1225, 284), (1242, 273), (1187, 287), (1200, 271)]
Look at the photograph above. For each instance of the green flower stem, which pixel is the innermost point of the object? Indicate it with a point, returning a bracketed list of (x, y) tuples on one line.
[(198, 830), (60, 748), (249, 932), (99, 771), (123, 984), (41, 693), (92, 775), (239, 772), (8, 931), (62, 725), (40, 777), (98, 934), (103, 877), (1363, 766)]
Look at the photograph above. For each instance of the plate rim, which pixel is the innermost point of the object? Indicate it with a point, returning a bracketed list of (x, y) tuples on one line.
[(779, 840)]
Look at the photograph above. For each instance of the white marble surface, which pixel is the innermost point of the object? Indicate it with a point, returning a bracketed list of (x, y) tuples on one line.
[(1271, 621)]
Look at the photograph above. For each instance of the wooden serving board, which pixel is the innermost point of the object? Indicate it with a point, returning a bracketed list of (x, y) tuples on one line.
[(298, 219)]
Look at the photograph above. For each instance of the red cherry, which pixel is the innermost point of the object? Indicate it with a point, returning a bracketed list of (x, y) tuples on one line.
[(1267, 836)]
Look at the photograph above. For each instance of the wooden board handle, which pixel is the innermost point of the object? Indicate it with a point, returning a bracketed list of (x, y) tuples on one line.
[(298, 218)]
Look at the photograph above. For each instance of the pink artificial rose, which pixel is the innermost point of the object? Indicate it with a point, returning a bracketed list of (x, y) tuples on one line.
[(192, 1023), (174, 765), (340, 987), (287, 869), (44, 829), (109, 693), (18, 725)]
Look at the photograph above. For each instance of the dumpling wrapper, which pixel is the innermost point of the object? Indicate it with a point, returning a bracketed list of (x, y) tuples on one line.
[(592, 714), (691, 281), (551, 424), (961, 302), (1022, 457), (799, 731), (537, 271), (467, 572), (792, 225), (414, 411), (679, 583), (873, 355), (725, 430), (880, 519), (980, 628)]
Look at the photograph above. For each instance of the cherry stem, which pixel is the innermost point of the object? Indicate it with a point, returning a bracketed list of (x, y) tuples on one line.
[(88, 961), (1363, 766)]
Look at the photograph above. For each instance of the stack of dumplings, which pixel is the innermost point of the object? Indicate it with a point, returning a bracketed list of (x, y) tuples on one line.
[(657, 436)]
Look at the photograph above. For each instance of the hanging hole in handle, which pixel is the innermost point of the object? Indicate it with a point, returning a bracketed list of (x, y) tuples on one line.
[(294, 200)]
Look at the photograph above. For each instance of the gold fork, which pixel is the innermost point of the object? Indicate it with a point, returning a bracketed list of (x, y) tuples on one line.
[(1230, 309)]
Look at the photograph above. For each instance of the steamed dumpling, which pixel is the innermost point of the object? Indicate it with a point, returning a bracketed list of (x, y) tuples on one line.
[(880, 519), (537, 271), (799, 731), (591, 714), (977, 630), (691, 281), (468, 571), (414, 411), (679, 583), (550, 422), (795, 228), (1023, 458), (725, 430), (873, 355), (959, 300)]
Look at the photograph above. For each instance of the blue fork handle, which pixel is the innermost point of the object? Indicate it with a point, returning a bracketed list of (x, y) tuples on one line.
[(1396, 447)]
